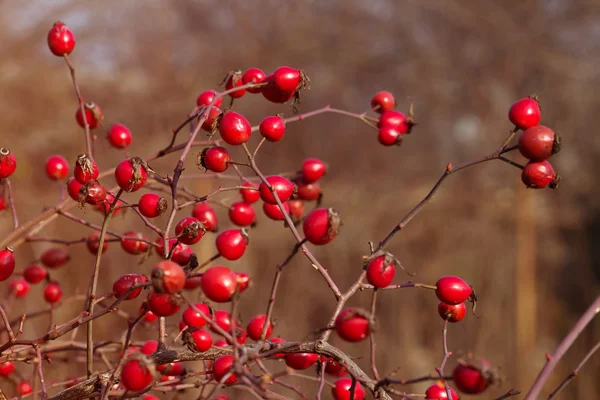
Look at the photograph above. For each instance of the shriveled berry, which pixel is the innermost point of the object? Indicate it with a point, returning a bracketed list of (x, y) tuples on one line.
[(55, 257), (134, 242), (383, 101), (119, 136), (204, 213), (280, 185), (272, 128), (250, 196), (7, 368), (92, 193), (193, 318), (207, 96), (395, 119), (321, 226), (234, 128), (389, 136), (8, 163), (525, 113), (242, 214), (19, 286), (307, 191), (253, 75), (234, 79), (222, 367), (93, 243), (152, 205), (189, 230), (438, 392), (287, 79), (135, 375), (85, 169), (7, 263), (168, 277), (256, 325), (34, 274), (219, 283), (452, 313), (93, 115), (352, 325), (52, 292), (131, 174), (198, 340), (164, 304), (61, 40), (473, 376), (125, 282), (381, 271), (344, 390), (300, 361), (232, 243), (452, 290), (313, 169), (539, 174), (215, 159), (57, 167), (539, 143)]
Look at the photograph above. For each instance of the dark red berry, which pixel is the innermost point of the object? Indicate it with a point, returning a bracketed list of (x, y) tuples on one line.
[(277, 340), (438, 392), (204, 213), (189, 230), (452, 313), (134, 242), (287, 79), (383, 101), (274, 212), (321, 226), (234, 79), (85, 169), (19, 286), (255, 327), (395, 119), (125, 282), (300, 361), (163, 304), (296, 207), (525, 113), (131, 174), (452, 290), (381, 271), (474, 376), (240, 336), (192, 283), (389, 136), (219, 284), (55, 257), (232, 243), (307, 191), (193, 318), (222, 367), (215, 159), (207, 96), (61, 40), (171, 369), (7, 263), (352, 325), (343, 390), (119, 136), (280, 185), (168, 277), (539, 143), (8, 163), (253, 75), (3, 203), (135, 375), (7, 368), (93, 115), (242, 214), (34, 274), (272, 93), (272, 128), (52, 292), (92, 193), (209, 124), (57, 167), (313, 169), (333, 367), (250, 196), (198, 340), (234, 128), (538, 175), (152, 205), (93, 243)]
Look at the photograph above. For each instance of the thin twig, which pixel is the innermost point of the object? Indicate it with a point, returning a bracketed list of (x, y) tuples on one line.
[(575, 372), (11, 202)]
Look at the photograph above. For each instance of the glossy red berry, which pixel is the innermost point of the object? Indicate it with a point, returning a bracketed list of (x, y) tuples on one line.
[(242, 214), (232, 243), (24, 388), (333, 367), (85, 169), (280, 185), (152, 205), (243, 280), (274, 212), (389, 136), (343, 390), (199, 340), (395, 119), (313, 169), (131, 174), (73, 188), (453, 290), (219, 284), (7, 368), (55, 257), (149, 316), (93, 115), (209, 124), (168, 277), (34, 274), (189, 230), (538, 175), (438, 392), (255, 327), (125, 282), (192, 283), (52, 292), (134, 242), (300, 361), (253, 75), (250, 196), (215, 159), (204, 213), (180, 254), (272, 93), (207, 96), (287, 79), (234, 128), (135, 375), (525, 113), (381, 271), (57, 167), (8, 163), (307, 191), (321, 226), (383, 101), (119, 136), (352, 325), (452, 313), (163, 304), (272, 128), (93, 243), (19, 286), (222, 367), (193, 318), (234, 79), (61, 40), (473, 377), (539, 143), (7, 263), (223, 320)]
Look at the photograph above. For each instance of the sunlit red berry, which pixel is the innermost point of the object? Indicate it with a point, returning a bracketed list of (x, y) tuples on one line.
[(215, 159), (24, 388), (163, 304), (149, 316), (250, 196), (381, 271), (234, 128), (7, 368), (452, 290), (73, 188), (280, 185), (134, 242), (539, 143), (222, 367), (219, 284), (383, 101), (344, 390), (242, 214), (193, 318), (395, 119), (223, 320), (287, 79), (198, 340), (93, 115), (273, 93), (438, 392), (274, 212), (255, 327), (313, 169), (389, 136), (135, 375), (19, 286), (52, 292), (209, 124), (131, 174), (57, 167), (34, 274), (119, 136), (352, 325), (525, 113), (540, 174), (93, 243), (125, 282), (61, 40), (300, 361), (253, 75), (204, 213), (321, 226), (452, 313), (168, 277), (149, 347), (7, 263), (235, 80), (207, 96), (85, 169), (180, 254), (189, 230), (232, 243), (8, 163), (152, 205), (272, 128), (473, 377)]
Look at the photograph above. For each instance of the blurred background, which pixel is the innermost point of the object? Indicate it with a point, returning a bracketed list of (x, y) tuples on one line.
[(531, 255)]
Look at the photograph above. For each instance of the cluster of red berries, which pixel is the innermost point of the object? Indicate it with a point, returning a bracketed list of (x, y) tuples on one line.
[(392, 124)]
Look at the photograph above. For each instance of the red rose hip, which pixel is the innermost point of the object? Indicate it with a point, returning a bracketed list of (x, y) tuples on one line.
[(525, 113), (453, 290), (57, 167), (219, 284), (321, 226), (351, 325), (234, 128), (383, 101), (232, 243), (119, 136), (540, 174), (539, 143), (8, 163), (61, 40)]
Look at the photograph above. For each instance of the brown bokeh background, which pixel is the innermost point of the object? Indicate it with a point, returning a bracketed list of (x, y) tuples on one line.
[(531, 255)]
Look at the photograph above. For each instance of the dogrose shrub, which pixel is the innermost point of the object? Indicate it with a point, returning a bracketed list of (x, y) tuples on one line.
[(236, 354)]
